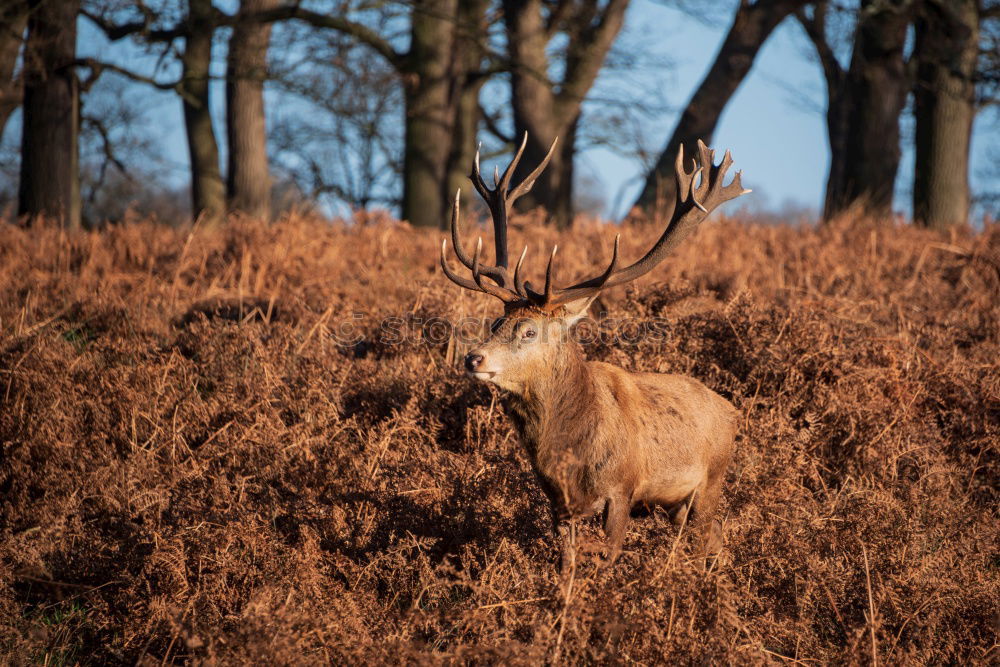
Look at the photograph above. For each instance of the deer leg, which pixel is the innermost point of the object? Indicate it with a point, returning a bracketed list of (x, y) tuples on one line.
[(561, 529), (560, 524), (615, 523), (679, 511), (567, 551), (706, 502)]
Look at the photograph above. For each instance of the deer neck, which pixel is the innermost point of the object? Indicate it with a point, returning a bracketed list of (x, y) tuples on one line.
[(554, 409)]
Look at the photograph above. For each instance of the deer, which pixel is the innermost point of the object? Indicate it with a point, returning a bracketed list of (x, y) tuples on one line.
[(600, 438)]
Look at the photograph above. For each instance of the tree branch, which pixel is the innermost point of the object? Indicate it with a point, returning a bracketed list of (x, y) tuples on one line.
[(220, 19), (143, 28), (584, 59), (107, 146), (556, 16), (98, 67), (493, 128), (815, 28), (362, 33)]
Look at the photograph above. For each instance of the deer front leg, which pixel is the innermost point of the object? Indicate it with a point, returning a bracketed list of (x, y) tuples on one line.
[(560, 524), (615, 524), (567, 552), (561, 529)]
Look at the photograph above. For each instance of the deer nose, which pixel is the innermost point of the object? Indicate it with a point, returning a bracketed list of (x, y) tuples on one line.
[(472, 361)]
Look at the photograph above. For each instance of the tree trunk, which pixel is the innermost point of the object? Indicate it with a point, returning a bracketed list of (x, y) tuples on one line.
[(464, 142), (466, 83), (837, 132), (875, 92), (441, 84), (13, 19), (208, 193), (428, 122), (944, 107), (50, 179), (534, 103), (541, 111), (751, 27), (248, 186)]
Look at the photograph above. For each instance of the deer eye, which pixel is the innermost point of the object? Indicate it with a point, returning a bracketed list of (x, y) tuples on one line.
[(528, 333)]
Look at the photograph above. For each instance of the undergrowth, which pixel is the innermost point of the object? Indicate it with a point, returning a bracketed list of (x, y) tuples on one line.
[(215, 449)]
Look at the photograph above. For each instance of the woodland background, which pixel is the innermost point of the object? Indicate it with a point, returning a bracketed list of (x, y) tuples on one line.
[(383, 103)]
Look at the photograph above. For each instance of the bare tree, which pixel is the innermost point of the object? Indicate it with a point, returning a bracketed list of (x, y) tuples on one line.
[(49, 181), (435, 75), (122, 167), (340, 133), (162, 27), (946, 52), (468, 75), (248, 186), (547, 109), (752, 25), (865, 103), (427, 84)]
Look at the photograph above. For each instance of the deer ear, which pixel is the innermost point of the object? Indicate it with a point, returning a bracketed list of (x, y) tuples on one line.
[(577, 310)]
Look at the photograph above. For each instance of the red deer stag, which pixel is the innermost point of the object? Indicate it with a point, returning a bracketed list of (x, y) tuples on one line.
[(600, 437)]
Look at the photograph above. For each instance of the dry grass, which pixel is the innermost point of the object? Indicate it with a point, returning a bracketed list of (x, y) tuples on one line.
[(195, 469)]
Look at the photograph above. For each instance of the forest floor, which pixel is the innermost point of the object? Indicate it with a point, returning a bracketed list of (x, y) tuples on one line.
[(255, 444)]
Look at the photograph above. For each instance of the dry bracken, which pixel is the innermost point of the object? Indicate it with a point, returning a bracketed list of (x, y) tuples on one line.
[(205, 456)]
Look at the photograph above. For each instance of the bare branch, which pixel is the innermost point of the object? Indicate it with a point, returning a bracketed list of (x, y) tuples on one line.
[(98, 67), (592, 45), (815, 28), (361, 32)]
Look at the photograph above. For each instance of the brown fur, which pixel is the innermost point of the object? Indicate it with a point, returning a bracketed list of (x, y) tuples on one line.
[(602, 438)]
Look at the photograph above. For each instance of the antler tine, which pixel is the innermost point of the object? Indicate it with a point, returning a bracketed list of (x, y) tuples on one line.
[(500, 200), (727, 162), (719, 172), (498, 211), (548, 276), (719, 189), (525, 186), (684, 179), (503, 185), (694, 192), (455, 215), (706, 162), (477, 178), (518, 276), (735, 188), (452, 276), (499, 215), (614, 262), (592, 286)]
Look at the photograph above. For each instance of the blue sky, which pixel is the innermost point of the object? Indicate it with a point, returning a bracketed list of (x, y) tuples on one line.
[(774, 125), (775, 138)]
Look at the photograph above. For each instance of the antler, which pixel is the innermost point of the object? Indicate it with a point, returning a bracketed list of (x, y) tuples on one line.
[(696, 198), (500, 201)]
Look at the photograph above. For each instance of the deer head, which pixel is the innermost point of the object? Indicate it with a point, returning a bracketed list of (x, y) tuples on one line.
[(531, 335)]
